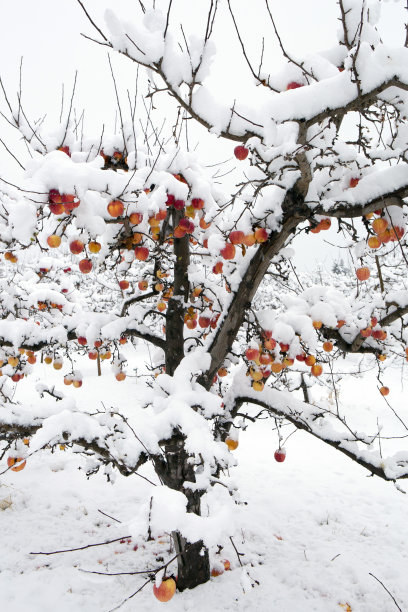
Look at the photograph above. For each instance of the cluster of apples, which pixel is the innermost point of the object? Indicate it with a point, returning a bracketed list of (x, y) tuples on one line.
[(270, 357), (102, 350), (49, 305), (382, 230), (10, 256), (375, 331), (17, 361), (62, 203), (322, 225)]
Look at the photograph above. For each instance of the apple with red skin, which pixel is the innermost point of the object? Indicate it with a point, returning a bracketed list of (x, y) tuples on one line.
[(363, 273), (124, 284), (354, 182), (261, 235), (69, 201), (237, 237), (241, 152), (293, 85), (197, 203), (204, 322), (252, 354), (93, 355), (65, 149), (217, 268), (166, 590), (141, 253), (136, 218), (76, 247), (85, 266), (228, 252), (57, 208), (54, 196), (82, 340), (280, 455), (179, 204)]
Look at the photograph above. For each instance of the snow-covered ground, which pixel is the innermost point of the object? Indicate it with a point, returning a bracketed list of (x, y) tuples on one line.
[(311, 530)]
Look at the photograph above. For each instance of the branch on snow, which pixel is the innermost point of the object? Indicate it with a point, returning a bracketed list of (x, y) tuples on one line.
[(304, 416), (13, 431)]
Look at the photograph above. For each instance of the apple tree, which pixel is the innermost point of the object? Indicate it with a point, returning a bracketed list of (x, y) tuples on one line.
[(129, 238)]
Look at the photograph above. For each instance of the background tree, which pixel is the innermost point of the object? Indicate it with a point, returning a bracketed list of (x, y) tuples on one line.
[(148, 247)]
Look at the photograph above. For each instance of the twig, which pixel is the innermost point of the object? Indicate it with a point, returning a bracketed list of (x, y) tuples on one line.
[(109, 516), (238, 553), (384, 587), (55, 552)]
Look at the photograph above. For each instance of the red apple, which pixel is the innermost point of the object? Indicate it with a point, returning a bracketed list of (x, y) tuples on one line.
[(81, 340), (261, 235), (197, 203), (237, 237), (217, 268), (228, 252), (124, 284), (141, 253), (136, 218), (241, 152), (85, 266), (293, 85), (204, 322), (76, 247), (280, 455), (69, 201)]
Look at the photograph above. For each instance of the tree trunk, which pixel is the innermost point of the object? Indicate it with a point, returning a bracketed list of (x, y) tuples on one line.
[(193, 561), (193, 564)]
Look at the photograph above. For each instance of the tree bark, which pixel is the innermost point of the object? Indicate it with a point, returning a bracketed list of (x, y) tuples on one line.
[(175, 470)]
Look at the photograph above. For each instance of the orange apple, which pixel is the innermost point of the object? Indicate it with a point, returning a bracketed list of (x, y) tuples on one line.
[(53, 241), (94, 247), (379, 225), (374, 242), (120, 376), (384, 391), (327, 346), (261, 235), (363, 273), (232, 444), (18, 462), (115, 208), (316, 369), (166, 590)]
